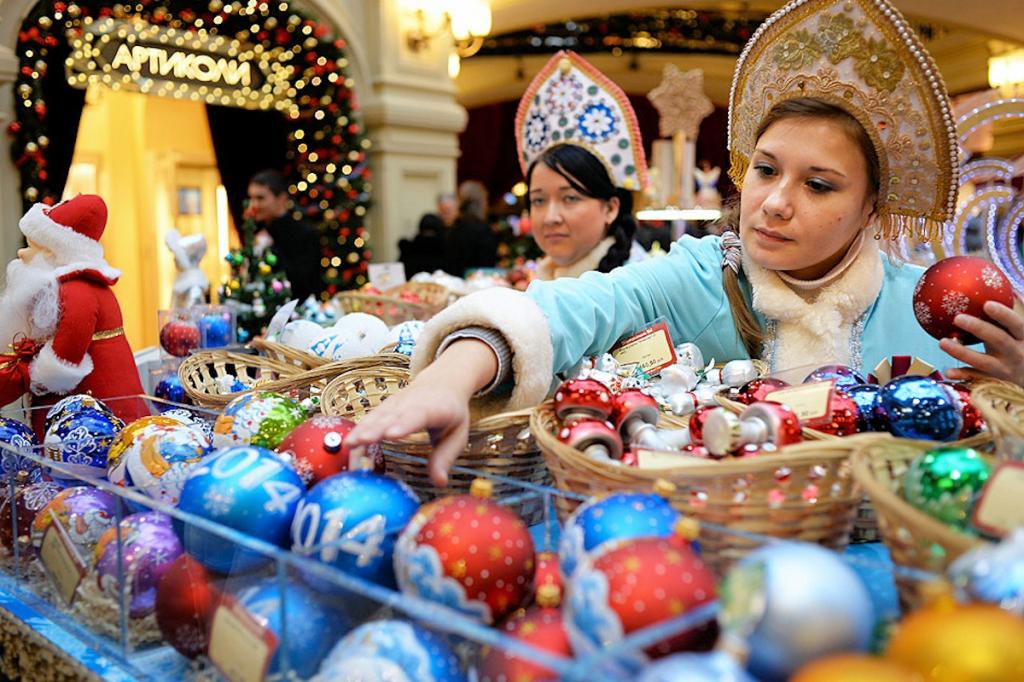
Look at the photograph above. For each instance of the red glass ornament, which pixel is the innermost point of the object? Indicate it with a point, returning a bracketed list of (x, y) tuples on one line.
[(842, 417), (29, 498), (593, 437), (651, 580), (317, 447), (484, 547), (583, 398), (179, 338), (14, 128), (697, 420), (757, 389), (961, 284), (974, 422), (541, 627), (185, 601)]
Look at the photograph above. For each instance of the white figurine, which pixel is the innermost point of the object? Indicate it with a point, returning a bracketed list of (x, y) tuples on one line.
[(191, 285)]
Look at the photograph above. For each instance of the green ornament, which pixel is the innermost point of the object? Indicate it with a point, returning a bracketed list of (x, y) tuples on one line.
[(271, 258), (944, 483), (261, 419)]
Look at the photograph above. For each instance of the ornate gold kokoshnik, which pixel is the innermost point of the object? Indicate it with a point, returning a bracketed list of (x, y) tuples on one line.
[(862, 56)]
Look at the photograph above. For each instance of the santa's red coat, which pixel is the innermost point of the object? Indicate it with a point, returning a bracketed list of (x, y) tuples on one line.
[(88, 352)]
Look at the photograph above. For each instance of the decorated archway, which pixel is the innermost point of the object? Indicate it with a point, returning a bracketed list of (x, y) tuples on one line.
[(259, 55)]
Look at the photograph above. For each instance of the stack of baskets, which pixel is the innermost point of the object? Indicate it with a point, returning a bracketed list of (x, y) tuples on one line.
[(202, 374), (391, 308), (915, 539), (282, 353), (500, 445)]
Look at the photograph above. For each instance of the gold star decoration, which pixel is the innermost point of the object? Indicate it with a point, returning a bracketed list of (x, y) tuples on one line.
[(680, 101)]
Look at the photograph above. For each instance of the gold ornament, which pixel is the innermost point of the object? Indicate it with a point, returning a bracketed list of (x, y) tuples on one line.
[(31, 147), (44, 141), (45, 22), (854, 668), (948, 643), (31, 194), (680, 101), (264, 269)]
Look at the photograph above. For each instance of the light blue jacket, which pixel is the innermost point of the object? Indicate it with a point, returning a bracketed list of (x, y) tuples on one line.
[(587, 315)]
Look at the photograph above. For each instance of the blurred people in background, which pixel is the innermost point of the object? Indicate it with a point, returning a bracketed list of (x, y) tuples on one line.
[(426, 251), (470, 242)]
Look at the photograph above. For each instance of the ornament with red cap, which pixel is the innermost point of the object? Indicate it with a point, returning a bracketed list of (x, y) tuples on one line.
[(761, 422), (583, 399), (635, 416), (541, 627)]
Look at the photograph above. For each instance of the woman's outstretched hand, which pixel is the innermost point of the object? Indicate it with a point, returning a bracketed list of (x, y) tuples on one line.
[(1004, 345), (436, 401)]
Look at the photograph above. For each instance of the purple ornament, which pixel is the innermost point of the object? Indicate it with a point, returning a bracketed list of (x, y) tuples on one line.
[(83, 511), (149, 546), (845, 377)]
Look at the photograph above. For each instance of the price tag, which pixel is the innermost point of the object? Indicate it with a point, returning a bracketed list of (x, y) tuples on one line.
[(999, 510), (658, 459), (386, 275), (650, 348), (808, 401), (240, 647), (62, 562)]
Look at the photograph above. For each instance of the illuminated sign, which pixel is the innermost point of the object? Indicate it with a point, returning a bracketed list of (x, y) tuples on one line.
[(193, 65)]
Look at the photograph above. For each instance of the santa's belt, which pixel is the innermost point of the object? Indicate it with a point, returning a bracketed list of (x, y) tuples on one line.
[(108, 334)]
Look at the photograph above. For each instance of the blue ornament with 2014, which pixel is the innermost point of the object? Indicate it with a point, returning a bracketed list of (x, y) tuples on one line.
[(249, 489)]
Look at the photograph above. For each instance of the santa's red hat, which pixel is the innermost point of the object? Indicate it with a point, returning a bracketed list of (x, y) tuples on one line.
[(71, 229)]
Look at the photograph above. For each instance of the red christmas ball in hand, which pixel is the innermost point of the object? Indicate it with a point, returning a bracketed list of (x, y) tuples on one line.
[(961, 284), (179, 338), (317, 448), (468, 553), (841, 419), (185, 601), (541, 627)]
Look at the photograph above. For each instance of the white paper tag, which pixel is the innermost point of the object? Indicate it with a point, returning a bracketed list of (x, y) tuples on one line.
[(62, 562), (239, 646), (386, 275)]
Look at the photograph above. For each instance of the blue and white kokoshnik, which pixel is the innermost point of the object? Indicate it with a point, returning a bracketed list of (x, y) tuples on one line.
[(621, 516)]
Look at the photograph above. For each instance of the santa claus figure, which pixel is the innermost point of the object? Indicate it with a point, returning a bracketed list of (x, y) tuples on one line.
[(59, 318)]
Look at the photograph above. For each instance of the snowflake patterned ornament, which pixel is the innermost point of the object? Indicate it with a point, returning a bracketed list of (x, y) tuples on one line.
[(629, 585), (80, 441), (962, 284), (317, 450), (391, 651), (467, 553), (18, 436), (571, 102), (249, 489)]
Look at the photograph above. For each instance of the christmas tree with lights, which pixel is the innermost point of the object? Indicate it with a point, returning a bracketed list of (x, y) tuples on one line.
[(256, 287)]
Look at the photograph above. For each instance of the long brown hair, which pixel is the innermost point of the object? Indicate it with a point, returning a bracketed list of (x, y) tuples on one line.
[(743, 318)]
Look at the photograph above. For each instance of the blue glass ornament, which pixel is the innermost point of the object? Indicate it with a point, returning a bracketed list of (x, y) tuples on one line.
[(73, 403), (243, 335), (392, 650), (792, 603), (247, 488), (919, 408), (18, 435), (311, 626), (620, 516), (80, 440), (710, 667), (215, 330), (993, 573), (351, 521), (865, 395), (170, 389), (844, 376)]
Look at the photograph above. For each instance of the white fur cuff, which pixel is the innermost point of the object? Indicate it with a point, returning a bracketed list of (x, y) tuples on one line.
[(519, 320), (50, 374)]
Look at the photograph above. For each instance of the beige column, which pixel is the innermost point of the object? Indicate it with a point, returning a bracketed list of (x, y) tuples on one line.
[(412, 118), (10, 195)]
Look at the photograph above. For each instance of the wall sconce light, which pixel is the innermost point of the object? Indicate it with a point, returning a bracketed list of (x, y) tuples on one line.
[(1006, 72), (467, 22)]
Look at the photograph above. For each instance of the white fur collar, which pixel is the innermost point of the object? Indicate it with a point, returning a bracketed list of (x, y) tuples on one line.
[(816, 330), (547, 270)]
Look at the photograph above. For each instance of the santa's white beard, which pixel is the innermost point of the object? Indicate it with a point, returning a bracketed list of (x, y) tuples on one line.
[(29, 305)]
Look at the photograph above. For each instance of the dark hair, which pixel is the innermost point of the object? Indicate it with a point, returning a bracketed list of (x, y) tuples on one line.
[(272, 180), (588, 176), (743, 317)]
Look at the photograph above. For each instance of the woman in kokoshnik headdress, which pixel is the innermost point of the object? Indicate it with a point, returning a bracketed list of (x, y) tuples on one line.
[(840, 131), (582, 157)]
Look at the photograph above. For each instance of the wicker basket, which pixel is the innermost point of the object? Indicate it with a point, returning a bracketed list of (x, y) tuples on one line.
[(280, 352), (430, 293), (199, 374), (1002, 405), (804, 492), (499, 445), (914, 539), (393, 310)]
